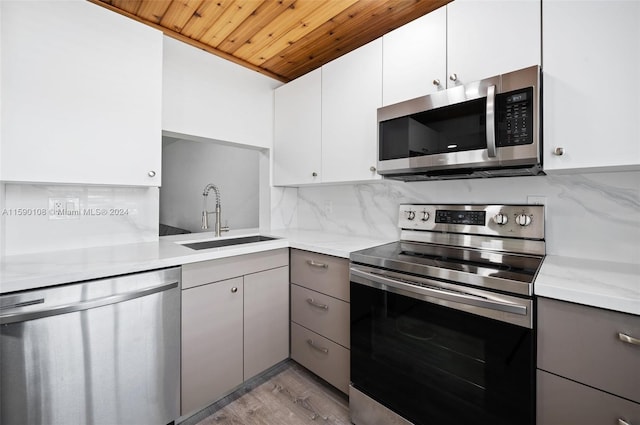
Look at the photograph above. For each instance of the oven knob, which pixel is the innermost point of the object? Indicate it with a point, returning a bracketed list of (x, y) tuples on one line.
[(425, 216), (523, 220), (500, 219), (411, 215)]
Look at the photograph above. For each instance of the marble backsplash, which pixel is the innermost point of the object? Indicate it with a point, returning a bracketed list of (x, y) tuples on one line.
[(594, 216), (107, 215)]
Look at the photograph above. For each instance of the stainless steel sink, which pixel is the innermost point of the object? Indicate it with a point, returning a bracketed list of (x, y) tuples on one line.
[(228, 242)]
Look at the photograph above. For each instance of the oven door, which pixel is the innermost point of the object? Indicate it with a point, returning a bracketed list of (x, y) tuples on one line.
[(436, 354)]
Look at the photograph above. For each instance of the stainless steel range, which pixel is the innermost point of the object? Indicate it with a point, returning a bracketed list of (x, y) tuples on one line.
[(442, 321)]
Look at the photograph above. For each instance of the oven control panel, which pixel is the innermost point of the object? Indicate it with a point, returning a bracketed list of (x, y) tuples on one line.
[(522, 221), (476, 218)]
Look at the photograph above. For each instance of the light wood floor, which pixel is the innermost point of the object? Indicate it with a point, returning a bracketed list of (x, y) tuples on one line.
[(287, 395)]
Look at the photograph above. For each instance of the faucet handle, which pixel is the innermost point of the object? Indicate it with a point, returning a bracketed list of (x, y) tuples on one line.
[(225, 228)]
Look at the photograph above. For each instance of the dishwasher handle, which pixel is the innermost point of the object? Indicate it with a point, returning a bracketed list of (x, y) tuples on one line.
[(7, 318)]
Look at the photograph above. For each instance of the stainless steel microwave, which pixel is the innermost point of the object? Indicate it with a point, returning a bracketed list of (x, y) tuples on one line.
[(487, 128)]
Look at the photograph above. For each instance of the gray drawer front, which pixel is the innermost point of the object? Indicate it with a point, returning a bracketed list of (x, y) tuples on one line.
[(307, 270), (332, 365), (204, 272), (331, 322), (564, 402), (582, 344)]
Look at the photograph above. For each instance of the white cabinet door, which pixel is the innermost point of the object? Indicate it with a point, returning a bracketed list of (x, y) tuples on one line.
[(211, 342), (81, 95), (590, 66), (297, 140), (266, 320), (351, 94), (210, 97), (414, 58), (491, 37)]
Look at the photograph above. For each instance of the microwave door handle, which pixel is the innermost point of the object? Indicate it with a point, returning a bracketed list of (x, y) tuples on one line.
[(491, 121)]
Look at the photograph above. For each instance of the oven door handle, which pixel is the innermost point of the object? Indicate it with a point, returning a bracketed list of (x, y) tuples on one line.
[(382, 282)]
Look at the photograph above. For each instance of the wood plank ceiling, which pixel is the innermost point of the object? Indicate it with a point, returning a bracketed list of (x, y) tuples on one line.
[(283, 39)]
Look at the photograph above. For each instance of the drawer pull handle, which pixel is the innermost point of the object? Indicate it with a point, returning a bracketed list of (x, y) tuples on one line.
[(315, 304), (324, 350), (628, 339), (622, 422), (319, 265)]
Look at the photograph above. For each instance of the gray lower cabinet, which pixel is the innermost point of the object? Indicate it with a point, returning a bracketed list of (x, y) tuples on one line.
[(233, 327), (561, 401), (266, 315), (320, 315), (588, 365), (211, 342), (320, 355)]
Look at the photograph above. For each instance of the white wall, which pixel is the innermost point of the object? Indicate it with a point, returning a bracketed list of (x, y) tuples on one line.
[(593, 216), (207, 96), (188, 166)]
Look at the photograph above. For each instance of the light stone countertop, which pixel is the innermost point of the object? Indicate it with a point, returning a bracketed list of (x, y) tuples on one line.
[(30, 271), (609, 285), (614, 286)]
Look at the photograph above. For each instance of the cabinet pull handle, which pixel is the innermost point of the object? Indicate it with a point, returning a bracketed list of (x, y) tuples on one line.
[(558, 151), (324, 350), (628, 339), (622, 422), (315, 304), (320, 265), (234, 290)]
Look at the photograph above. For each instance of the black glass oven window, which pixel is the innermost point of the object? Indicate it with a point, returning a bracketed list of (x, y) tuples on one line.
[(436, 365), (454, 128)]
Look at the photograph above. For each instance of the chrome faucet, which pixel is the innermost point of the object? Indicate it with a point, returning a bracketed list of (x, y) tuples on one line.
[(205, 213)]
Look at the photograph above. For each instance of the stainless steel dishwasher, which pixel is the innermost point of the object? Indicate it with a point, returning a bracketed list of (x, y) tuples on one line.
[(97, 352)]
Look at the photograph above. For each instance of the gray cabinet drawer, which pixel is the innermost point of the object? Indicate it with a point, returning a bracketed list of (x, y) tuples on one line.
[(322, 273), (321, 313), (325, 358), (564, 402), (582, 344), (204, 272)]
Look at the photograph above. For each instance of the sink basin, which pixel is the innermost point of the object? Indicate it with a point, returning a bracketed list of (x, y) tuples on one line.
[(228, 242)]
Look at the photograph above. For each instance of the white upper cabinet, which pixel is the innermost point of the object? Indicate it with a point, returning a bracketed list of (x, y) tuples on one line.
[(591, 64), (207, 96), (81, 95), (325, 121), (415, 58), (462, 42), (297, 143), (491, 37), (351, 95)]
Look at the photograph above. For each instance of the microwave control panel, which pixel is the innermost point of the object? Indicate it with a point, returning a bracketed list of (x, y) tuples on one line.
[(515, 117)]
